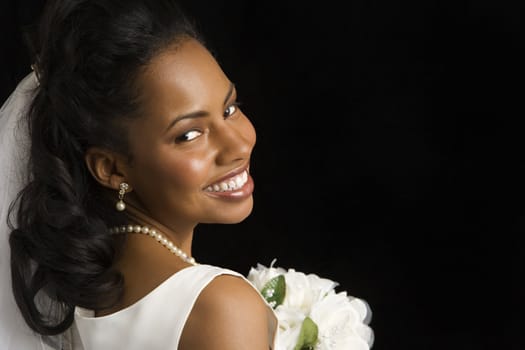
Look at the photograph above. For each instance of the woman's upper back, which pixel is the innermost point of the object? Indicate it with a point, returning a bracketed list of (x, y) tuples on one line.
[(199, 307)]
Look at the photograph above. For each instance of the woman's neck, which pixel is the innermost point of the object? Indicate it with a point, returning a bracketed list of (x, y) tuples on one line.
[(145, 263), (137, 216)]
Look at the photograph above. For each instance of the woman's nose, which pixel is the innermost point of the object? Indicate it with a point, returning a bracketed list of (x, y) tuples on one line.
[(235, 141)]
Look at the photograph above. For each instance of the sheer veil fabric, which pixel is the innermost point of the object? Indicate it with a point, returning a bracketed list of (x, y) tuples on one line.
[(15, 334)]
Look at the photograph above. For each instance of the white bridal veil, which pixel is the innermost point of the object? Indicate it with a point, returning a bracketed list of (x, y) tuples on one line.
[(14, 147)]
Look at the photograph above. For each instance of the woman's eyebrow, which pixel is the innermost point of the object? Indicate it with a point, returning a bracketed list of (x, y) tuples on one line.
[(200, 114)]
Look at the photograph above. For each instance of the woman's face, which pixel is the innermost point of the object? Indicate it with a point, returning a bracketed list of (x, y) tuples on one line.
[(191, 149)]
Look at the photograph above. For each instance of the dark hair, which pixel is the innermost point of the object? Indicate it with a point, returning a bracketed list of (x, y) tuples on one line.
[(90, 54)]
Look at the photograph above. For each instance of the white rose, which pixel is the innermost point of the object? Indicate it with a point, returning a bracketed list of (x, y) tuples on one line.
[(261, 274), (341, 323)]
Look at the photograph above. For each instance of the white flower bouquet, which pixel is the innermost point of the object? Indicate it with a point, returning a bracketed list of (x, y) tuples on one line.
[(311, 314)]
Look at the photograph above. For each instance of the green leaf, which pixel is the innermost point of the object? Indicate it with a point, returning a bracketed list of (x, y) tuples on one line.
[(307, 336), (274, 291)]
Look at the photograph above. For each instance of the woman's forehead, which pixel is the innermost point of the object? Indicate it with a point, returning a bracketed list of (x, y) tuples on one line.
[(185, 72)]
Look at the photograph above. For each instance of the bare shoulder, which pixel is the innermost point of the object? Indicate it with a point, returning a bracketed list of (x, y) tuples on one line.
[(229, 314)]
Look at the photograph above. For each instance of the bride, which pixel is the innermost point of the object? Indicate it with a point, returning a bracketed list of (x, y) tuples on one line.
[(125, 137)]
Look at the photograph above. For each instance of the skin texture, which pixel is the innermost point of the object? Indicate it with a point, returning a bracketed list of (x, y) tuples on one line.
[(191, 135)]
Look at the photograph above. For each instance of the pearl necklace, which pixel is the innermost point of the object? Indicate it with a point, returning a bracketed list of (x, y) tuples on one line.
[(158, 236)]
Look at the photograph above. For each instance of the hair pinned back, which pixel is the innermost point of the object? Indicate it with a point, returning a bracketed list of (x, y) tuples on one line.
[(90, 57)]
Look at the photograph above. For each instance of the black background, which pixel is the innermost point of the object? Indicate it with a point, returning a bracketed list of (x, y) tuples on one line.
[(389, 155)]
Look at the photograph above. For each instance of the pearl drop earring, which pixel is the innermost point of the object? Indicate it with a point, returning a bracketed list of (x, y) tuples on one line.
[(123, 187)]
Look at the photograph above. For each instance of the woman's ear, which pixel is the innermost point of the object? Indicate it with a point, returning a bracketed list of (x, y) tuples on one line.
[(106, 167)]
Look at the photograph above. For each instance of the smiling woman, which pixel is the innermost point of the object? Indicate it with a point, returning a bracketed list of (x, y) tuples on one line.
[(191, 138), (134, 137)]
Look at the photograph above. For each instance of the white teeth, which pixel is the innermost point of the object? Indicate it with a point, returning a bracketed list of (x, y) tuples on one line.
[(231, 184), (238, 181)]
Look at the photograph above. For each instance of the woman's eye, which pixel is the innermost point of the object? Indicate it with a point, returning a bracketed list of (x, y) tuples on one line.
[(188, 136), (231, 109)]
